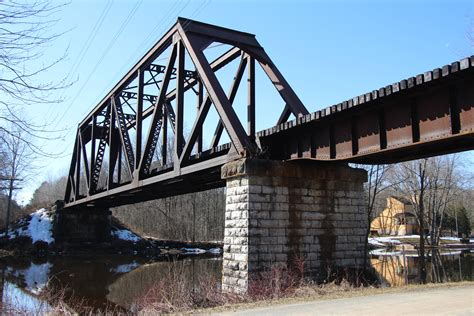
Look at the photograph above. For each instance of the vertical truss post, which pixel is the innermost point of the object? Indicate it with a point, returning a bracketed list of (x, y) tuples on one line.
[(78, 165), (138, 120), (199, 102), (70, 186), (164, 137), (84, 157), (178, 135), (251, 98), (111, 146), (92, 158), (119, 166)]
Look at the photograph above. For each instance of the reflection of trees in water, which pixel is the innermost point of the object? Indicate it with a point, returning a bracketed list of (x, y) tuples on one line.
[(72, 280), (106, 283), (188, 274), (438, 273), (396, 270)]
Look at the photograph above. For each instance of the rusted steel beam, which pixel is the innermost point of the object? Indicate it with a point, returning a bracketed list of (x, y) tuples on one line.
[(251, 98), (139, 120), (178, 135), (426, 115), (231, 96), (199, 100), (70, 189), (126, 144), (112, 146), (85, 160)]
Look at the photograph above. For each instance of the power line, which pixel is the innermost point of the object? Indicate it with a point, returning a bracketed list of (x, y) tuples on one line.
[(168, 15), (109, 46), (145, 43), (86, 46)]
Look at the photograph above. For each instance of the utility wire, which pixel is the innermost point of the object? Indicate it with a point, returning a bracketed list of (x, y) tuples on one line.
[(85, 47), (104, 54)]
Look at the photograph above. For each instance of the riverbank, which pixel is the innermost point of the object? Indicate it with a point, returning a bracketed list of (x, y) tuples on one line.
[(33, 236)]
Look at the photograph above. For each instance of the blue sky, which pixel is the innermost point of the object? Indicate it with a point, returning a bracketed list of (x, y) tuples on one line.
[(328, 51)]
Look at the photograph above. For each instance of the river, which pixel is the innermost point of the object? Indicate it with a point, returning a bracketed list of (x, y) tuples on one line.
[(120, 283)]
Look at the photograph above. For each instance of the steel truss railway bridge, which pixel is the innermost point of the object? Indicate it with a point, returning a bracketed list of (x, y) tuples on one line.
[(289, 189)]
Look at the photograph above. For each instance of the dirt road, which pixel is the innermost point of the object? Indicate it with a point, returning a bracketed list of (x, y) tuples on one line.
[(429, 301)]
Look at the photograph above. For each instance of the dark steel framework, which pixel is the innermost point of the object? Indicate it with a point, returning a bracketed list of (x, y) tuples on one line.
[(123, 153), (105, 134)]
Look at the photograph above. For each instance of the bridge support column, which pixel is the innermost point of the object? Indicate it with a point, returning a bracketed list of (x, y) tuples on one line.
[(284, 213), (78, 225)]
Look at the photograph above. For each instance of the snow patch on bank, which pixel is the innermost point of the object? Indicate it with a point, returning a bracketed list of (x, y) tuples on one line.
[(215, 251), (38, 228), (383, 241), (397, 240), (36, 276), (124, 268), (193, 251), (451, 238), (125, 234), (199, 251)]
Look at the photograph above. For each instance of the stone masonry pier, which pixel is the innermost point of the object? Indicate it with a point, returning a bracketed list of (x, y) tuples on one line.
[(279, 213), (81, 225)]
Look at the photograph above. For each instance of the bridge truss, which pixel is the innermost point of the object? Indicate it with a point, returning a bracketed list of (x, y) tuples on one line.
[(134, 137)]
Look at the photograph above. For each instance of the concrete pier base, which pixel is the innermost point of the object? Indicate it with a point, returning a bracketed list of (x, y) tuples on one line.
[(282, 213), (81, 225)]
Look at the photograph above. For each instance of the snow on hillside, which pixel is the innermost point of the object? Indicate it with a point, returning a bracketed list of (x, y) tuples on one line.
[(126, 234), (397, 240), (38, 228)]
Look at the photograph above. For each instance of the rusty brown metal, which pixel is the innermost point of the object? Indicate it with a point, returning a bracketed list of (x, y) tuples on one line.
[(106, 165), (426, 115)]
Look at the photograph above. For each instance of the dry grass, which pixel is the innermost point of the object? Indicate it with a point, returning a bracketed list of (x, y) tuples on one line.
[(172, 295), (328, 292)]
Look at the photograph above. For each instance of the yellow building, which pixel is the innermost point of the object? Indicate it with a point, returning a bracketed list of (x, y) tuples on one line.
[(397, 219)]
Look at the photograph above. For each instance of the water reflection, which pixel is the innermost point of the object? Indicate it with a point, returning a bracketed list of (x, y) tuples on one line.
[(119, 283), (401, 268), (114, 283)]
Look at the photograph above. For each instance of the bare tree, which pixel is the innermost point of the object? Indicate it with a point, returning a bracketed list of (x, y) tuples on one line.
[(412, 181), (24, 36), (429, 186), (48, 192), (376, 183), (17, 162)]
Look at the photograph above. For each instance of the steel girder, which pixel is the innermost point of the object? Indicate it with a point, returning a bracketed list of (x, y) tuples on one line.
[(422, 116)]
